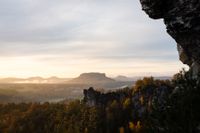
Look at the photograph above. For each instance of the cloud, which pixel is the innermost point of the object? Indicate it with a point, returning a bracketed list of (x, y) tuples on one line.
[(53, 32)]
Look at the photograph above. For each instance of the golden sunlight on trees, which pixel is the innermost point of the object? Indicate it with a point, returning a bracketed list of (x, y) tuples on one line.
[(121, 130), (116, 112)]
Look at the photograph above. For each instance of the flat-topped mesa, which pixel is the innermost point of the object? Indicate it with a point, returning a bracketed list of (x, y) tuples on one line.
[(182, 19)]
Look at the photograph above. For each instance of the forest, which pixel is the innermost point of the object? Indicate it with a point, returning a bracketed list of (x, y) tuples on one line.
[(150, 106)]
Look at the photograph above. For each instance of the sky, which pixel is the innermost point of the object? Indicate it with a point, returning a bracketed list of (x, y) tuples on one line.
[(67, 37)]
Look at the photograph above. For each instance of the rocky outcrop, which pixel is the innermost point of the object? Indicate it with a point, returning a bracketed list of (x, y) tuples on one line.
[(142, 101), (96, 98), (92, 78), (182, 19)]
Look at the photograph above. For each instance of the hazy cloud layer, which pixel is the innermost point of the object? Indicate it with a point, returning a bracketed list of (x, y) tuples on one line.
[(69, 32)]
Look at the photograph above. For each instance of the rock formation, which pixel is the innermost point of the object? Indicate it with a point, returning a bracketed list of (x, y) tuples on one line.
[(182, 19), (92, 78), (96, 98)]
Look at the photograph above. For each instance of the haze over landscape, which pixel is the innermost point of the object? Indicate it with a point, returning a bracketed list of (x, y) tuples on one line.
[(99, 66), (67, 38), (54, 89), (74, 45)]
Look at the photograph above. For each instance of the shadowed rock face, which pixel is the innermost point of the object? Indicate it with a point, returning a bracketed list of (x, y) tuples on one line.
[(182, 19)]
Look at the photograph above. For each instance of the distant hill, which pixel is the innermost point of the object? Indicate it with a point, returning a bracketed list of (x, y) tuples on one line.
[(124, 78), (163, 78), (34, 80), (92, 78), (99, 80)]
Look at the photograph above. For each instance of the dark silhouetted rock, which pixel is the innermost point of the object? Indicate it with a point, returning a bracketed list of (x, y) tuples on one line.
[(96, 98), (182, 19)]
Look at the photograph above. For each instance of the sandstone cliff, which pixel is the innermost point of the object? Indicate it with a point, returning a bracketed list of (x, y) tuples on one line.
[(182, 19)]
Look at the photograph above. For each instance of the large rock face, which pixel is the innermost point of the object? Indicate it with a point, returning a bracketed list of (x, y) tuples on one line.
[(182, 19)]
